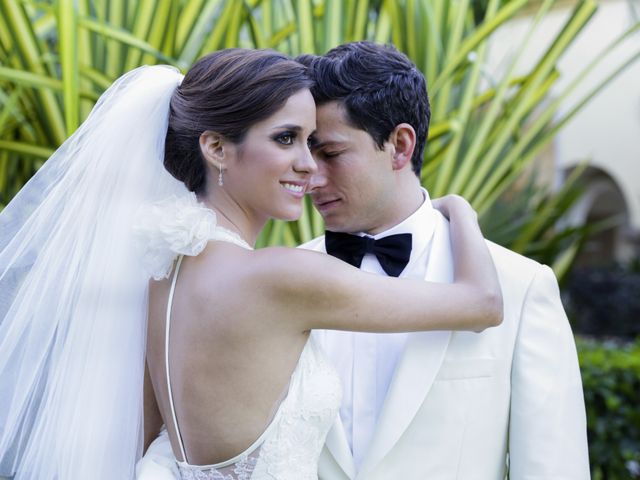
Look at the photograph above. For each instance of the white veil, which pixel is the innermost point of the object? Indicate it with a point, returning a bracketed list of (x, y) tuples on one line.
[(73, 296)]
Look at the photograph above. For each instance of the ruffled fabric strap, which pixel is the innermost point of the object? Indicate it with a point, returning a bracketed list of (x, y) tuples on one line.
[(178, 225)]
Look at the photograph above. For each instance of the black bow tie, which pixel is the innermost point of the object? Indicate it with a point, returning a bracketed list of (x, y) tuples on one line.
[(392, 252)]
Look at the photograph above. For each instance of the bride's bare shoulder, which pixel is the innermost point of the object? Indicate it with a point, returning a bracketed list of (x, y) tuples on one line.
[(243, 262), (259, 271)]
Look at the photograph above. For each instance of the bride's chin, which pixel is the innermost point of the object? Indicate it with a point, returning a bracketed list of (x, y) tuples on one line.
[(291, 215)]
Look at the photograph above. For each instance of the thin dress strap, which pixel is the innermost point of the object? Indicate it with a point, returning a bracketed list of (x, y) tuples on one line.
[(166, 356)]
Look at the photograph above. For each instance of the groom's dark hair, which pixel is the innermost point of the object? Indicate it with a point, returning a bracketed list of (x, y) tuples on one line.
[(379, 88)]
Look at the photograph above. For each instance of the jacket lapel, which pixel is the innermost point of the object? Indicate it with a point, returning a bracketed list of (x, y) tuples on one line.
[(338, 445), (419, 364), (336, 441)]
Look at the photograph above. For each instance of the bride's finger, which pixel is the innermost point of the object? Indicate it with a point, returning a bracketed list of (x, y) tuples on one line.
[(451, 203)]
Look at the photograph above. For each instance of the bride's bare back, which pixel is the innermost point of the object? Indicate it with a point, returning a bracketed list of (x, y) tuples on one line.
[(230, 360)]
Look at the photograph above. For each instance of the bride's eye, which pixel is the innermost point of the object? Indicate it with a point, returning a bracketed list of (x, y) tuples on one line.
[(285, 138)]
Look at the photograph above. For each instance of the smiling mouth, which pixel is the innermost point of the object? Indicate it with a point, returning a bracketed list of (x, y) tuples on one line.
[(293, 188)]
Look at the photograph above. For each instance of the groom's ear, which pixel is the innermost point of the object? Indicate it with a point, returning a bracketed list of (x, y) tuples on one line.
[(403, 138), (212, 146)]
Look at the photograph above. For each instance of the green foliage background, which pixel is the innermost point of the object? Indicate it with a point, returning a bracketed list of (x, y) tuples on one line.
[(611, 381), (56, 57)]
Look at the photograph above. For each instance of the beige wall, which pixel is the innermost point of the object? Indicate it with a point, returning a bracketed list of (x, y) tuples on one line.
[(607, 131)]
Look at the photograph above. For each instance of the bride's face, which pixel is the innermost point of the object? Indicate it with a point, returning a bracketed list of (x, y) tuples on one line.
[(270, 169)]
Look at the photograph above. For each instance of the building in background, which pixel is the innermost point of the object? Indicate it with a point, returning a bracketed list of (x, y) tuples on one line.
[(606, 132)]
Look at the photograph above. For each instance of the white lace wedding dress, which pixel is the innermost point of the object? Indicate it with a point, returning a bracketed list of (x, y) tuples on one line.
[(290, 446)]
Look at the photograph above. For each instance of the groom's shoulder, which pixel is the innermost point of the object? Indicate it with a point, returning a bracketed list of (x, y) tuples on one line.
[(317, 244), (518, 273), (503, 257)]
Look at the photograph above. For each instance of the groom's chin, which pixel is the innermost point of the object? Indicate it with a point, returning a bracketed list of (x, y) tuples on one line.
[(340, 227)]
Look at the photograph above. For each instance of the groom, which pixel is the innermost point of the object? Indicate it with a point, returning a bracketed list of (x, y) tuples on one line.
[(436, 405)]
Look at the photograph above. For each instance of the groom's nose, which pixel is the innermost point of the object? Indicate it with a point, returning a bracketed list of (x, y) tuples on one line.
[(318, 179)]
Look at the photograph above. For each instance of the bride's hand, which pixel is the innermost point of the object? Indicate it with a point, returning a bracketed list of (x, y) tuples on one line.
[(451, 205)]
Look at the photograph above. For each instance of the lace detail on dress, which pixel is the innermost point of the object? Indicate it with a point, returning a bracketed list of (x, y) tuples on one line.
[(293, 451), (294, 440)]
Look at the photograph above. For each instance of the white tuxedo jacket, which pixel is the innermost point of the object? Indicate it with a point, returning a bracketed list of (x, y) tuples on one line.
[(478, 405)]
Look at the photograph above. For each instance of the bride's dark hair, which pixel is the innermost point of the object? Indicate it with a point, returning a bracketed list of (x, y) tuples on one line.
[(226, 92)]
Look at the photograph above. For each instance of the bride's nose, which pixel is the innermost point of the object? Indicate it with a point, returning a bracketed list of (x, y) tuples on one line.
[(305, 162)]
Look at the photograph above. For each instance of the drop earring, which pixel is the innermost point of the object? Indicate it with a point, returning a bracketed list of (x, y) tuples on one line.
[(220, 180)]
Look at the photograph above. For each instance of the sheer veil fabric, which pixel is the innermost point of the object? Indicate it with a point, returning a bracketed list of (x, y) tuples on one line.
[(73, 294)]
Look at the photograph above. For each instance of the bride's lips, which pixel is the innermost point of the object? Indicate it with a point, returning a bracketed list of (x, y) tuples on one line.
[(295, 188)]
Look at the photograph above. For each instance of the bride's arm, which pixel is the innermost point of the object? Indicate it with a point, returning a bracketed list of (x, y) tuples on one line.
[(472, 261), (313, 290)]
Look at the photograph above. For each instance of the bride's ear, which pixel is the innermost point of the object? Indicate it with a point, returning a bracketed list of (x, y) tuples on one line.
[(212, 146)]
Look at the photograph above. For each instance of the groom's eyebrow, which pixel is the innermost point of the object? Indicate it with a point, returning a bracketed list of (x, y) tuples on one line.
[(288, 126), (328, 143)]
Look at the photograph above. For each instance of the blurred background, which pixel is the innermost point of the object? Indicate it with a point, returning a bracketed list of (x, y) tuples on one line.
[(535, 120)]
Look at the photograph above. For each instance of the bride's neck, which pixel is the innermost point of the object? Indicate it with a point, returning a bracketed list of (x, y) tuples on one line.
[(232, 216)]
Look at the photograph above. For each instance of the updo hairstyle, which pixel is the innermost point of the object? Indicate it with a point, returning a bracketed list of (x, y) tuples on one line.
[(226, 92)]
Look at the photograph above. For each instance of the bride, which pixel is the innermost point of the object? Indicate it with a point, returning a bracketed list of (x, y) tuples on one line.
[(174, 179)]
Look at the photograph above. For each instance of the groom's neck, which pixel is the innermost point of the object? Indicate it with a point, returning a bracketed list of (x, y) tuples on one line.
[(407, 199)]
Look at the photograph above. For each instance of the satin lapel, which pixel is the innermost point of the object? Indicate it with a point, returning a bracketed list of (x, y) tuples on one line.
[(336, 441), (339, 447), (418, 366)]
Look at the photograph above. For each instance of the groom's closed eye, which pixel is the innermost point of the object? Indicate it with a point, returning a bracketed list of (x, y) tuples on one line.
[(330, 153)]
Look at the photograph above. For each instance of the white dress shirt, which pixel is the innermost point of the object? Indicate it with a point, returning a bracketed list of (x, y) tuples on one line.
[(367, 369)]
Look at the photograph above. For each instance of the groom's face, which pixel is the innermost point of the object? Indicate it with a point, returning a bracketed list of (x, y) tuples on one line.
[(353, 187)]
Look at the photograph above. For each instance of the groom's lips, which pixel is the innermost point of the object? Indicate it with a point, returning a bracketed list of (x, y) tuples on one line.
[(324, 205)]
